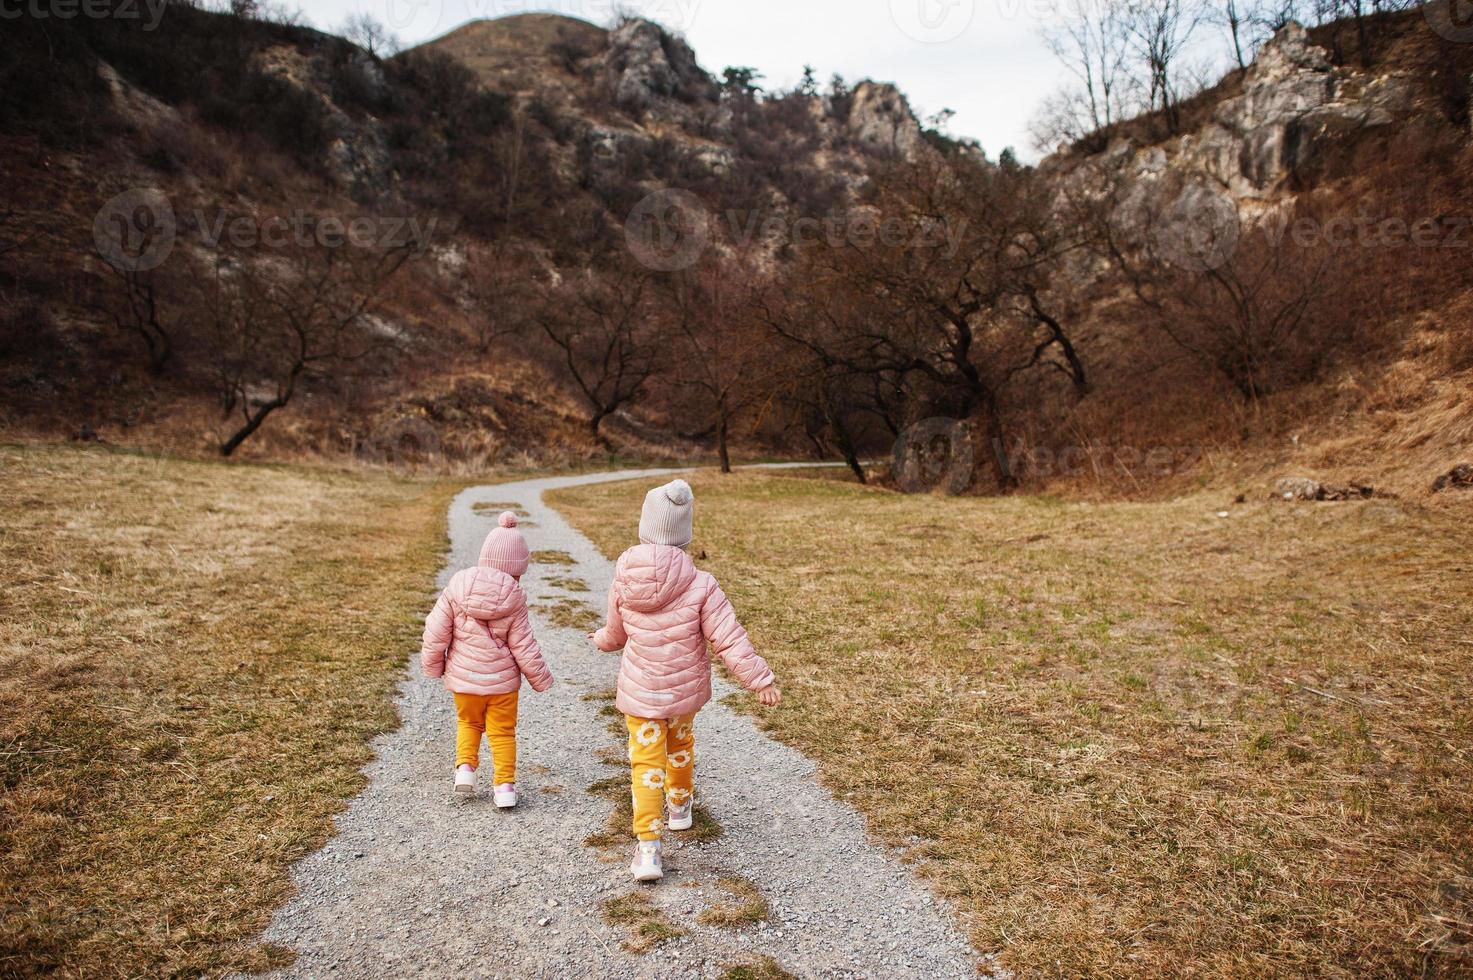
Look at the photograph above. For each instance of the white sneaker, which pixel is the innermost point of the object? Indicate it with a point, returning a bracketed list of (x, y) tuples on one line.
[(646, 863), (681, 816), (506, 795), (465, 781)]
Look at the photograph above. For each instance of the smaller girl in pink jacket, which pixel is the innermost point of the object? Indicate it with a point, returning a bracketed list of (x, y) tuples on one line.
[(662, 612), (479, 638)]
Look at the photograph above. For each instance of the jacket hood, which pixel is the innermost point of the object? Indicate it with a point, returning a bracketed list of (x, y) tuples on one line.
[(651, 576), (489, 593)]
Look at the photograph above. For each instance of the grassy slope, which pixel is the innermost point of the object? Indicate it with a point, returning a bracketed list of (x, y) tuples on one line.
[(195, 656), (1126, 738)]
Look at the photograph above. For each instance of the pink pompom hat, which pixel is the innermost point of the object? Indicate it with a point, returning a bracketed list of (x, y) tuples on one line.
[(505, 548)]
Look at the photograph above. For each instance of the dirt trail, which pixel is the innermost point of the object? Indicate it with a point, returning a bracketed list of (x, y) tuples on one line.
[(416, 883)]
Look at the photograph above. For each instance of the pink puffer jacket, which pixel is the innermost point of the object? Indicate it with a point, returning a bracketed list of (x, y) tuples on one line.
[(662, 610), (478, 636)]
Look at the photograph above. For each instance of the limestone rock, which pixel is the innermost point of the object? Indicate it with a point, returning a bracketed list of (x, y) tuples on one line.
[(1295, 110), (646, 67), (1303, 488), (881, 119)]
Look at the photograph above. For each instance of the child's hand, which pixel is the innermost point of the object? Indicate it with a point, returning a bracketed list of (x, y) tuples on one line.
[(770, 696)]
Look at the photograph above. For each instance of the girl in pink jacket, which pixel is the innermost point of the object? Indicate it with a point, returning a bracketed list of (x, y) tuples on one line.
[(479, 638), (662, 612)]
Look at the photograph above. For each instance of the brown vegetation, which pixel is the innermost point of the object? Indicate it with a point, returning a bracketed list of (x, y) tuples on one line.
[(524, 329), (175, 735), (1129, 738)]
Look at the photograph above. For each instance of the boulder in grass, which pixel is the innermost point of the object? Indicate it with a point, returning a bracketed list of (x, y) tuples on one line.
[(1299, 488), (1460, 477), (1303, 488)]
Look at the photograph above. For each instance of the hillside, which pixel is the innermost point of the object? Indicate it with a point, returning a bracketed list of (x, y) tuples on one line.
[(521, 168), (583, 243)]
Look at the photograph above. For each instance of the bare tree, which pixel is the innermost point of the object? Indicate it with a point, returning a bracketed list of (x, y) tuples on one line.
[(824, 383), (280, 320), (724, 355), (1092, 41), (499, 295), (1248, 304), (1159, 32), (510, 148), (1238, 18), (370, 34), (136, 309), (953, 301), (11, 238), (603, 331)]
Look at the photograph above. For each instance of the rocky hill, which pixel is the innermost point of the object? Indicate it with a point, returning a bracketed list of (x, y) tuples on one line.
[(529, 138), (501, 312)]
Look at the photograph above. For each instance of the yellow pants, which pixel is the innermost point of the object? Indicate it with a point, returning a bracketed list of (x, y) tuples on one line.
[(662, 763), (495, 715)]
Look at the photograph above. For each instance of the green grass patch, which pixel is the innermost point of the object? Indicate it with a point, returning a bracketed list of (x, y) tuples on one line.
[(757, 968), (647, 925), (744, 904)]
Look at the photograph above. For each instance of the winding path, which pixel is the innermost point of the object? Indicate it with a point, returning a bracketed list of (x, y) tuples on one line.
[(416, 883)]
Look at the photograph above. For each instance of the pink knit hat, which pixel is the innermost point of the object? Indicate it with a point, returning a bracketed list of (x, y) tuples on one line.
[(505, 548)]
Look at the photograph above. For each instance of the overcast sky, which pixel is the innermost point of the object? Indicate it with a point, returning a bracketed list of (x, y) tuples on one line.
[(982, 58)]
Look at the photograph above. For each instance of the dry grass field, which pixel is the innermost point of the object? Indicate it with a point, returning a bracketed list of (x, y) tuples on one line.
[(194, 658), (1129, 738)]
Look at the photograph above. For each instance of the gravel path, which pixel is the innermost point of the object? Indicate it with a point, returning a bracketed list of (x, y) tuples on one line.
[(416, 883)]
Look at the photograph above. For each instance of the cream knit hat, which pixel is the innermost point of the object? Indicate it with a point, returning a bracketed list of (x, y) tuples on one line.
[(666, 517)]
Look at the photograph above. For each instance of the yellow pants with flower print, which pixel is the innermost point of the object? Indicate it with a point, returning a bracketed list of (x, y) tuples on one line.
[(662, 764)]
